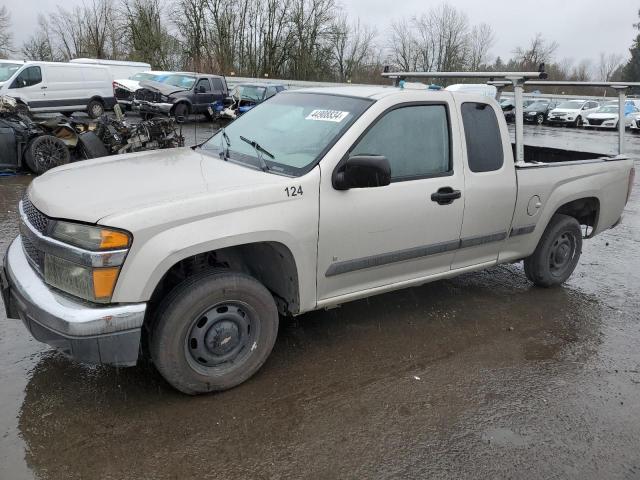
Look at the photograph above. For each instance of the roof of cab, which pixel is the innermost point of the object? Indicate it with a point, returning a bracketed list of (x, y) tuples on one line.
[(374, 92)]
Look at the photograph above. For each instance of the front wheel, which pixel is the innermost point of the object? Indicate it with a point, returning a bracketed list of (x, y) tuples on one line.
[(213, 332), (540, 119), (557, 254), (46, 152), (578, 123)]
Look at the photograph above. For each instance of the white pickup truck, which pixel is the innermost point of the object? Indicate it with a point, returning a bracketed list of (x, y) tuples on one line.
[(312, 199)]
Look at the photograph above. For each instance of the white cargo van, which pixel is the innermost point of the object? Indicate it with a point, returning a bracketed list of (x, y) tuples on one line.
[(118, 68), (59, 87)]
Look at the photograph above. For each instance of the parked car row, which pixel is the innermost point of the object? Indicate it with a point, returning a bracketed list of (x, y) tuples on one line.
[(574, 113)]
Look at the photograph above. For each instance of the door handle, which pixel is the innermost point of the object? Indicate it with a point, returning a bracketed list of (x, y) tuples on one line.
[(43, 88), (445, 195)]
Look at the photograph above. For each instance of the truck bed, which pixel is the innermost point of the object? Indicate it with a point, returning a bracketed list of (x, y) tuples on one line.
[(536, 154)]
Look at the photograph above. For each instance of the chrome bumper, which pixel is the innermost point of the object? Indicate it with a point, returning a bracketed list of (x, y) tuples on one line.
[(145, 107), (88, 333)]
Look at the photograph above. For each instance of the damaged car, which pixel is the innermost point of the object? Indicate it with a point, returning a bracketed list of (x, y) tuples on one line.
[(124, 89), (243, 98), (180, 95), (41, 146)]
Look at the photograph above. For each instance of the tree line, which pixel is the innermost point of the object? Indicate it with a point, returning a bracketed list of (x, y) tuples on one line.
[(296, 39)]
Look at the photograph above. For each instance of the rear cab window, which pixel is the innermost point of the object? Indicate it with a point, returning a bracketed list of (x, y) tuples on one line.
[(482, 134)]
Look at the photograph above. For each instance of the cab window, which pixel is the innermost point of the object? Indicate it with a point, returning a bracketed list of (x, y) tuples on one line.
[(28, 77), (203, 86), (217, 85), (415, 140)]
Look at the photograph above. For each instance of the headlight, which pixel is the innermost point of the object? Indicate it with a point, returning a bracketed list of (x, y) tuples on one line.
[(91, 270), (532, 113), (165, 98), (90, 237)]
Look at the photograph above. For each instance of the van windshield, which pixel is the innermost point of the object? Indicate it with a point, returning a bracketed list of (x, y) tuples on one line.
[(295, 128), (7, 70)]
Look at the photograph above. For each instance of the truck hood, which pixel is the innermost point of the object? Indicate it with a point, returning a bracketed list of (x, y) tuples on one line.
[(131, 85), (160, 87), (93, 189), (603, 116)]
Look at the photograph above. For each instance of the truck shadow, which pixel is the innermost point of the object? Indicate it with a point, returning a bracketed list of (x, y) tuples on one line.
[(403, 363)]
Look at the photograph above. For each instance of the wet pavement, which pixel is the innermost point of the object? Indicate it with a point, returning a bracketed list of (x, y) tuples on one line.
[(481, 376)]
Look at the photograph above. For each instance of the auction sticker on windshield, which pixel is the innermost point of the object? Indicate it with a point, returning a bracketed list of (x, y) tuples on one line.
[(327, 115)]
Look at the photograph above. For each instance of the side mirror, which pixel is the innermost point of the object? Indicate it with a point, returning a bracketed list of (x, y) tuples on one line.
[(362, 171)]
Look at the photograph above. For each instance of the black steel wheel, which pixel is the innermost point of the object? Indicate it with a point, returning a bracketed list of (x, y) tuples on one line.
[(181, 112), (557, 253), (46, 152), (213, 331)]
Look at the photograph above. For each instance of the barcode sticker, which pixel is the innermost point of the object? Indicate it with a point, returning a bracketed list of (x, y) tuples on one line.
[(327, 115)]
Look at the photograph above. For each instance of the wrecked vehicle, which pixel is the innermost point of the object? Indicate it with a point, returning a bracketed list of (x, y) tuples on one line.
[(56, 141), (124, 89), (243, 97), (179, 95)]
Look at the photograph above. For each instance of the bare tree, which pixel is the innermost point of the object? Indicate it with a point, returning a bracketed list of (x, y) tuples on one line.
[(403, 46), (607, 66), (147, 36), (481, 39), (40, 46), (582, 72), (351, 46), (539, 51), (6, 37)]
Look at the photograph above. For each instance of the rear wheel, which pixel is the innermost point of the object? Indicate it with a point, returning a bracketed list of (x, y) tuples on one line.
[(46, 152), (557, 253), (95, 108), (213, 332)]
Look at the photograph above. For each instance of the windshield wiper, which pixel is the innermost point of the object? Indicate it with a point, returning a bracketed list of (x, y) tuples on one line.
[(259, 151), (224, 154)]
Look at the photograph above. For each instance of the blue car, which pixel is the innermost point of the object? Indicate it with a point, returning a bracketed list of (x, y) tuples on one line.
[(243, 98)]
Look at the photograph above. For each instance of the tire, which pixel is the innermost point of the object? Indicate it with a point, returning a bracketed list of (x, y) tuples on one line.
[(95, 108), (91, 146), (186, 343), (557, 254), (181, 112), (46, 152), (578, 123), (540, 119)]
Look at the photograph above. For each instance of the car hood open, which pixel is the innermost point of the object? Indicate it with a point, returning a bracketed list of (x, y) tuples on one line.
[(90, 190)]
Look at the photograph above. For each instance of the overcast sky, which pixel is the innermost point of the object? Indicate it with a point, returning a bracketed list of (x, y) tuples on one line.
[(583, 28)]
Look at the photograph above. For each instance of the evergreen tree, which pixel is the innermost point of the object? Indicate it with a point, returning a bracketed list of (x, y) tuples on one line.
[(631, 72)]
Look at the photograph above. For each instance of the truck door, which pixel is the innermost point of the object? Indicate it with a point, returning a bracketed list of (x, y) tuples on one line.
[(204, 94), (490, 185), (374, 237), (30, 87)]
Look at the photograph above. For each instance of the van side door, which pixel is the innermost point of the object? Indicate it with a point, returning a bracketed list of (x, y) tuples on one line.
[(490, 184), (30, 87)]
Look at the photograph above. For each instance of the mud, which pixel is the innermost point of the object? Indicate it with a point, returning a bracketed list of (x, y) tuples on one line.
[(482, 376)]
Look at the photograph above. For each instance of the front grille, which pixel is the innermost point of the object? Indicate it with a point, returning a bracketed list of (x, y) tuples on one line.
[(146, 95), (35, 256), (36, 218), (596, 121)]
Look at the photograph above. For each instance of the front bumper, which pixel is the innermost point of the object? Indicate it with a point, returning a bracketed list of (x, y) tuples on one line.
[(85, 332), (560, 120), (152, 107)]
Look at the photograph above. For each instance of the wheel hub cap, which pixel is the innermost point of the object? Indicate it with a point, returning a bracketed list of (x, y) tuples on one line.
[(222, 337)]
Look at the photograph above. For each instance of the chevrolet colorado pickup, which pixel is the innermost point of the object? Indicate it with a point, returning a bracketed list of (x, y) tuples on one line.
[(312, 199)]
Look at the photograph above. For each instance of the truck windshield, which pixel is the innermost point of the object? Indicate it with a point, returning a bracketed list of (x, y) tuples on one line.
[(144, 76), (251, 92), (7, 70), (296, 128), (182, 81)]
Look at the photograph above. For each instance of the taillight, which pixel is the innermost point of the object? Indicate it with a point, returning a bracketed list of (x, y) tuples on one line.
[(632, 176)]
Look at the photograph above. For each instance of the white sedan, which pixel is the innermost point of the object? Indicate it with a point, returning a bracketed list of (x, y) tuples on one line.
[(607, 117)]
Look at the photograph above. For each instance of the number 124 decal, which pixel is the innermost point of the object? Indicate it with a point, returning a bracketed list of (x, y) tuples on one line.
[(293, 191)]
